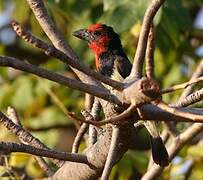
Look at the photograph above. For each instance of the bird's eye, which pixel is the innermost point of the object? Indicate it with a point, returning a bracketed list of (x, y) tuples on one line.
[(97, 33)]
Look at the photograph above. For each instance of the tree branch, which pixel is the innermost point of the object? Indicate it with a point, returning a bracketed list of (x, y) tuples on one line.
[(189, 100), (198, 72), (193, 117), (92, 89), (142, 43), (78, 137), (110, 160), (150, 53), (47, 128), (8, 147), (183, 85), (95, 110)]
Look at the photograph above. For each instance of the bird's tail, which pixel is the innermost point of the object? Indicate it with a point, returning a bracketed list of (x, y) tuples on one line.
[(159, 152)]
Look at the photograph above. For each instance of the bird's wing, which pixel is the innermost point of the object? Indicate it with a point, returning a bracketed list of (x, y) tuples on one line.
[(123, 65)]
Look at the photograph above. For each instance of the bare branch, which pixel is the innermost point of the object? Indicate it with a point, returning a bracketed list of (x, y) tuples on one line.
[(189, 100), (92, 89), (92, 129), (152, 112), (183, 85), (179, 113), (52, 51), (79, 137), (47, 128), (96, 108), (17, 147), (43, 164), (150, 53), (142, 43), (198, 72), (121, 117), (111, 154), (59, 103), (89, 100)]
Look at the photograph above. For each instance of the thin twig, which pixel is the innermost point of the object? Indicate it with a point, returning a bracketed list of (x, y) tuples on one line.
[(89, 100), (189, 100), (59, 103), (182, 86), (110, 160), (52, 51), (197, 73), (142, 43), (150, 53), (95, 110), (8, 147), (92, 89), (79, 137), (47, 128), (179, 113), (156, 113), (117, 119)]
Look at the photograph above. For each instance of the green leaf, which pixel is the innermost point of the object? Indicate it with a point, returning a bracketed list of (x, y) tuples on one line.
[(174, 20), (126, 13), (111, 4)]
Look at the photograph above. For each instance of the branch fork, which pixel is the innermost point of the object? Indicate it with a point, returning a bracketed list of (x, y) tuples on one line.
[(141, 91)]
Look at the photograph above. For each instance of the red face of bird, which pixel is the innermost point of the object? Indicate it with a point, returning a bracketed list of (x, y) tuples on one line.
[(98, 36)]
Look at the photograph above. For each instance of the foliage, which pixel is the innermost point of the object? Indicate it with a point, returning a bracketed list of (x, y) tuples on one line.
[(175, 60)]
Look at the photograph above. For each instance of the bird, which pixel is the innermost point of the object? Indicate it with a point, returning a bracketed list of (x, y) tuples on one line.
[(111, 61)]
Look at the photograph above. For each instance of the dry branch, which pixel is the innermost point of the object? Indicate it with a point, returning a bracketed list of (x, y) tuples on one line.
[(142, 43), (78, 137), (111, 154), (150, 53), (92, 89), (183, 85), (189, 100), (17, 147), (197, 73)]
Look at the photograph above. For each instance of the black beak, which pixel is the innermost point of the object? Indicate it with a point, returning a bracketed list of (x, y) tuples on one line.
[(83, 34)]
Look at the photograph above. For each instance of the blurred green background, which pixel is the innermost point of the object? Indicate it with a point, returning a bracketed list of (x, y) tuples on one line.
[(42, 105)]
